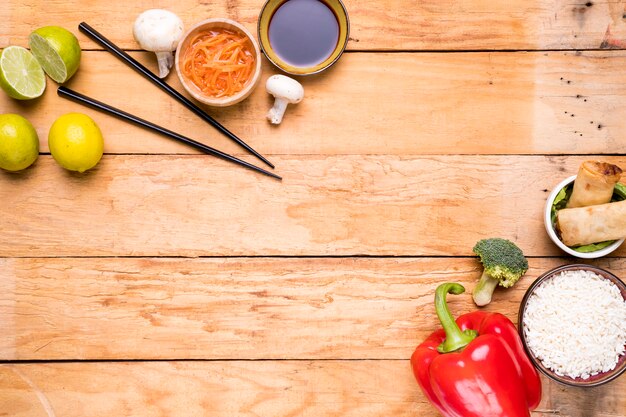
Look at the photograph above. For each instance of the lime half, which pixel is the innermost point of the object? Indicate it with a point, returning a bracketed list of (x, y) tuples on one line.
[(57, 50), (21, 76)]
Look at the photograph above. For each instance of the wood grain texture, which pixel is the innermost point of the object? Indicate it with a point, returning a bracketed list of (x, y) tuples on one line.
[(354, 205), (259, 389), (238, 308), (95, 266), (380, 25), (458, 103)]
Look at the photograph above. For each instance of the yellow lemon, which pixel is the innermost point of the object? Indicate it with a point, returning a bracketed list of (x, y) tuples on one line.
[(76, 142), (19, 143)]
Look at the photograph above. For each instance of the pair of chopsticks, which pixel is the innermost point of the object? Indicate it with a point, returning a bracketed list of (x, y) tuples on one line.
[(98, 105)]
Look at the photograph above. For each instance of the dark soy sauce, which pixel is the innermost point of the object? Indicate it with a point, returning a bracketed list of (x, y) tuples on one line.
[(303, 33)]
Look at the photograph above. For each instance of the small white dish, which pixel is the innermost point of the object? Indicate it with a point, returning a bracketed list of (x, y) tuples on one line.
[(547, 220)]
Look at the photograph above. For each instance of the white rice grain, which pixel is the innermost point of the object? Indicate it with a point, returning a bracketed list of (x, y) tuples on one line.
[(575, 324)]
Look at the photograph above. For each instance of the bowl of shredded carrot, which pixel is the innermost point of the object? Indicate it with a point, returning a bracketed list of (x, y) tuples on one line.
[(218, 62)]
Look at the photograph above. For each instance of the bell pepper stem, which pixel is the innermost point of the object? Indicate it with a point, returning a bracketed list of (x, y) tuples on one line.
[(455, 338)]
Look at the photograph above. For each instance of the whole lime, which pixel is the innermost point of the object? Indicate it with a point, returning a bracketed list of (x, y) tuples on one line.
[(57, 50), (19, 143), (76, 142)]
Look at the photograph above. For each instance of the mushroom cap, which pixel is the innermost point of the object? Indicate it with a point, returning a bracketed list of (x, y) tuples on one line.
[(158, 30), (286, 88)]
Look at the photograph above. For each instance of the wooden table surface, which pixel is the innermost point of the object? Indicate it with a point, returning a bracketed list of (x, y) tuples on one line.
[(169, 283)]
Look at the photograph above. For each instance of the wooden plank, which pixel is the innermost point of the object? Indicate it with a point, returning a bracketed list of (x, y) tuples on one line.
[(274, 388), (459, 103), (353, 205), (388, 24), (238, 308)]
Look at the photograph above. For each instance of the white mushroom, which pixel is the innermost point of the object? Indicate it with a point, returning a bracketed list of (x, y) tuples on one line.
[(159, 31), (286, 91)]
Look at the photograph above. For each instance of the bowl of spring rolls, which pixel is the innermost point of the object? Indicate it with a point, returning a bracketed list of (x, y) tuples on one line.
[(585, 214)]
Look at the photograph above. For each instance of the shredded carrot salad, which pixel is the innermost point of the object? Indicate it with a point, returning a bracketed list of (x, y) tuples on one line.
[(219, 63)]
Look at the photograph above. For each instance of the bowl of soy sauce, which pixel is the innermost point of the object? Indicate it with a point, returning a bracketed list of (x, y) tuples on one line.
[(303, 37)]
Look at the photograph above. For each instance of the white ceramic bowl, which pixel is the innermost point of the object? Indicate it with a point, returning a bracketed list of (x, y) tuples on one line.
[(552, 233)]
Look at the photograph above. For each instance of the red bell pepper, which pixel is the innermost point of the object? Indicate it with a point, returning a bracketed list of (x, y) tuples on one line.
[(476, 366)]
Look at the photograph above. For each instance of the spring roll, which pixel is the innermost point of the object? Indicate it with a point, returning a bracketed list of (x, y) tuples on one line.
[(594, 184), (593, 224)]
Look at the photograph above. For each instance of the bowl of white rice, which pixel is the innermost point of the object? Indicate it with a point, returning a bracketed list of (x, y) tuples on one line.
[(572, 321)]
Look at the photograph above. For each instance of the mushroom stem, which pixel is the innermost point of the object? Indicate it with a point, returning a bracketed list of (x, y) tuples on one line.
[(275, 115), (166, 60)]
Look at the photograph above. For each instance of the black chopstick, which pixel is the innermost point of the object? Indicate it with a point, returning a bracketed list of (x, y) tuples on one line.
[(98, 105), (133, 63)]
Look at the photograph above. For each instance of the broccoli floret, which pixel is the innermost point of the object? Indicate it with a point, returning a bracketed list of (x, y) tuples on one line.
[(504, 264)]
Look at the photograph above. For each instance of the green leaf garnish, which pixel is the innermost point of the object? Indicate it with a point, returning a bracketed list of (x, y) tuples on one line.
[(619, 192), (592, 247), (560, 201)]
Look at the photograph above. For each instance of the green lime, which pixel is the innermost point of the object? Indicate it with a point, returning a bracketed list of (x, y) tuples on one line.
[(57, 50), (19, 143), (21, 76), (76, 142)]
